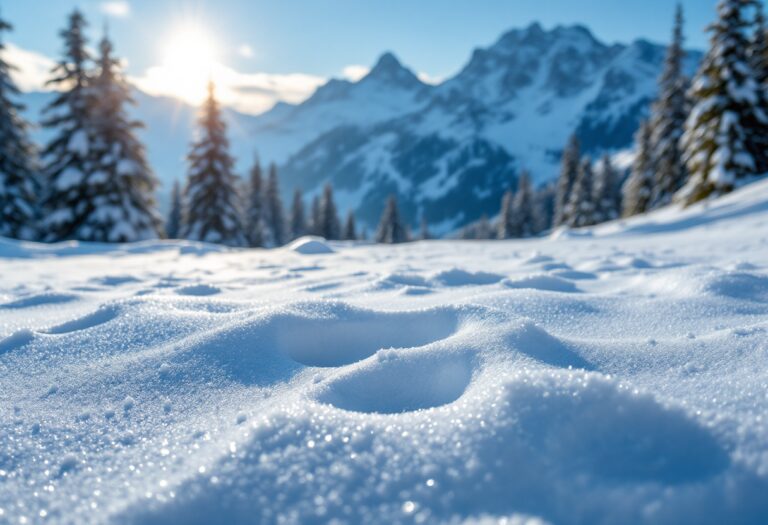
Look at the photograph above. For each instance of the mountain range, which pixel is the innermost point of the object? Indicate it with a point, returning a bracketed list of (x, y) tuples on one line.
[(447, 151)]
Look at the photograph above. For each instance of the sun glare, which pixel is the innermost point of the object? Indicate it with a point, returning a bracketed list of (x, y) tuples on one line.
[(189, 61)]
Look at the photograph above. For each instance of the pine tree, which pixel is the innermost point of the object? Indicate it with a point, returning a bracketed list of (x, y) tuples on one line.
[(274, 216), (391, 230), (544, 207), (568, 171), (19, 183), (211, 202), (173, 225), (122, 185), (606, 192), (314, 220), (726, 135), (329, 225), (506, 227), (639, 186), (254, 208), (580, 210), (522, 207), (758, 49), (350, 228), (424, 233), (67, 202), (298, 222), (669, 113)]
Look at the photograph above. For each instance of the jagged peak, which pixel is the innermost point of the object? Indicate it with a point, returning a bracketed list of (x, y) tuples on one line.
[(390, 70)]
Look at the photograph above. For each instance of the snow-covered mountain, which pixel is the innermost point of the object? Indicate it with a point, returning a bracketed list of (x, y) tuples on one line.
[(447, 151), (451, 150)]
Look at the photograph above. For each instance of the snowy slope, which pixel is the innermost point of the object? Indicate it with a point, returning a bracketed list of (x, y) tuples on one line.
[(612, 375)]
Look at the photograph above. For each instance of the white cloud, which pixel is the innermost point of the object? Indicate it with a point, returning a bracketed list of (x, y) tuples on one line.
[(251, 93), (116, 8), (355, 72), (245, 51), (32, 69)]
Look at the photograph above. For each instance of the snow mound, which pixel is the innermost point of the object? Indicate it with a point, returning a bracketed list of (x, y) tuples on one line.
[(460, 277), (542, 282), (310, 246), (199, 290), (398, 383), (335, 334)]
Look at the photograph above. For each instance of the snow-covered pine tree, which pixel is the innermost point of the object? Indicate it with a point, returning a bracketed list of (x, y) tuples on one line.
[(505, 229), (67, 196), (298, 221), (522, 207), (424, 233), (544, 207), (254, 208), (350, 228), (580, 210), (274, 216), (211, 211), (19, 183), (669, 113), (639, 186), (391, 230), (606, 192), (569, 169), (122, 185), (758, 49), (726, 134), (314, 219), (329, 225), (173, 224)]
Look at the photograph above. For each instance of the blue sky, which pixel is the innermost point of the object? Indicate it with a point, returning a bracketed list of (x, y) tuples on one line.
[(320, 38)]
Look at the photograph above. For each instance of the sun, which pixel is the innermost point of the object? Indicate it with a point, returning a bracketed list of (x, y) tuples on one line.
[(189, 61)]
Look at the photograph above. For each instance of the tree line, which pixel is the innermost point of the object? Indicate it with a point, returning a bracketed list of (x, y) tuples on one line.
[(705, 136)]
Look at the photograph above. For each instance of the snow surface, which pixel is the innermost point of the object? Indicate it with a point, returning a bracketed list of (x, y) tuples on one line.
[(614, 375)]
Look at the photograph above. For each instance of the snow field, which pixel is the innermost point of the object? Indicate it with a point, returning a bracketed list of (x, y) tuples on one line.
[(614, 376)]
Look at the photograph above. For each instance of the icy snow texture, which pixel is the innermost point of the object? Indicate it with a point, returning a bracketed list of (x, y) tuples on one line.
[(615, 376)]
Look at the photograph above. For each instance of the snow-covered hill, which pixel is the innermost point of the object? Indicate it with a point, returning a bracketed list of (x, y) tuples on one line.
[(448, 151), (610, 375)]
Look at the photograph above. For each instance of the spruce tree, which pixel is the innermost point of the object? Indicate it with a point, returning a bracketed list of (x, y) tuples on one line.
[(424, 233), (19, 183), (173, 225), (329, 225), (639, 186), (580, 210), (68, 193), (298, 222), (606, 192), (568, 172), (274, 216), (726, 135), (254, 208), (758, 49), (506, 227), (544, 207), (522, 207), (350, 228), (211, 211), (314, 219), (669, 113), (122, 185), (391, 230)]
